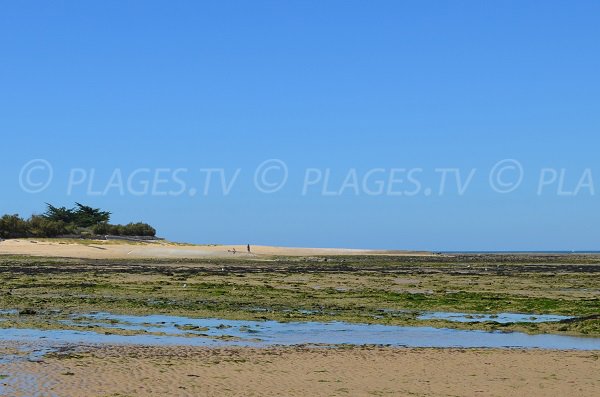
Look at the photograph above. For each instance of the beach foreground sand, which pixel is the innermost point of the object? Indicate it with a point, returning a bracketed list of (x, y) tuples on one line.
[(298, 371), (112, 249)]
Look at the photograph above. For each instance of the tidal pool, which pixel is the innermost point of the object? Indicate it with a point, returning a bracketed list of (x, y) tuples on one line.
[(501, 318), (175, 330)]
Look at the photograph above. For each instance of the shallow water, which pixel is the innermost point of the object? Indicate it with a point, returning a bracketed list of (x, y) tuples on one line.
[(218, 332), (501, 318), (8, 313)]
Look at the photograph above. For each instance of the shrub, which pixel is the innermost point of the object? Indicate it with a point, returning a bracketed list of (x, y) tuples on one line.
[(39, 226), (132, 229), (13, 226), (138, 229), (102, 229)]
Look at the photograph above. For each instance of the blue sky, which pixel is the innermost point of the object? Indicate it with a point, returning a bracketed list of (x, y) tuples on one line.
[(336, 85)]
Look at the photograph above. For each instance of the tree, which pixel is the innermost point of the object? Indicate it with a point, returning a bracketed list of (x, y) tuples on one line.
[(81, 215), (86, 216), (62, 214)]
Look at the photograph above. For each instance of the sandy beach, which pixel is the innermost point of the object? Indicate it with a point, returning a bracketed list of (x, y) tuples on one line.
[(111, 249), (40, 293), (298, 371)]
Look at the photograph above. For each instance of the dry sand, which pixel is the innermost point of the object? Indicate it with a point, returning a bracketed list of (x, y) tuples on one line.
[(113, 249), (367, 371)]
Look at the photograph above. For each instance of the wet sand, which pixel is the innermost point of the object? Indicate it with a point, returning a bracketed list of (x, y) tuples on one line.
[(112, 249), (359, 371)]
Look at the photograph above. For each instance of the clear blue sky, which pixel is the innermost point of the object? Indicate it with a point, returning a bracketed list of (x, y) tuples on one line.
[(320, 84)]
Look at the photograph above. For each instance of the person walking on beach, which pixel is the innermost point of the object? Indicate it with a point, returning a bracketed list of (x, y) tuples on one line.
[(248, 248)]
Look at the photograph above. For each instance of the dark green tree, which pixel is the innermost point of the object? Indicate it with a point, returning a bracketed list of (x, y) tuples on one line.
[(62, 214), (86, 216)]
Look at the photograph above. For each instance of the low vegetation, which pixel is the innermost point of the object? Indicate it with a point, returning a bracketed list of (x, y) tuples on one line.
[(81, 220), (383, 290)]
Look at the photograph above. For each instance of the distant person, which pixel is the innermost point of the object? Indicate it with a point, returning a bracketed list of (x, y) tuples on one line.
[(248, 248)]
